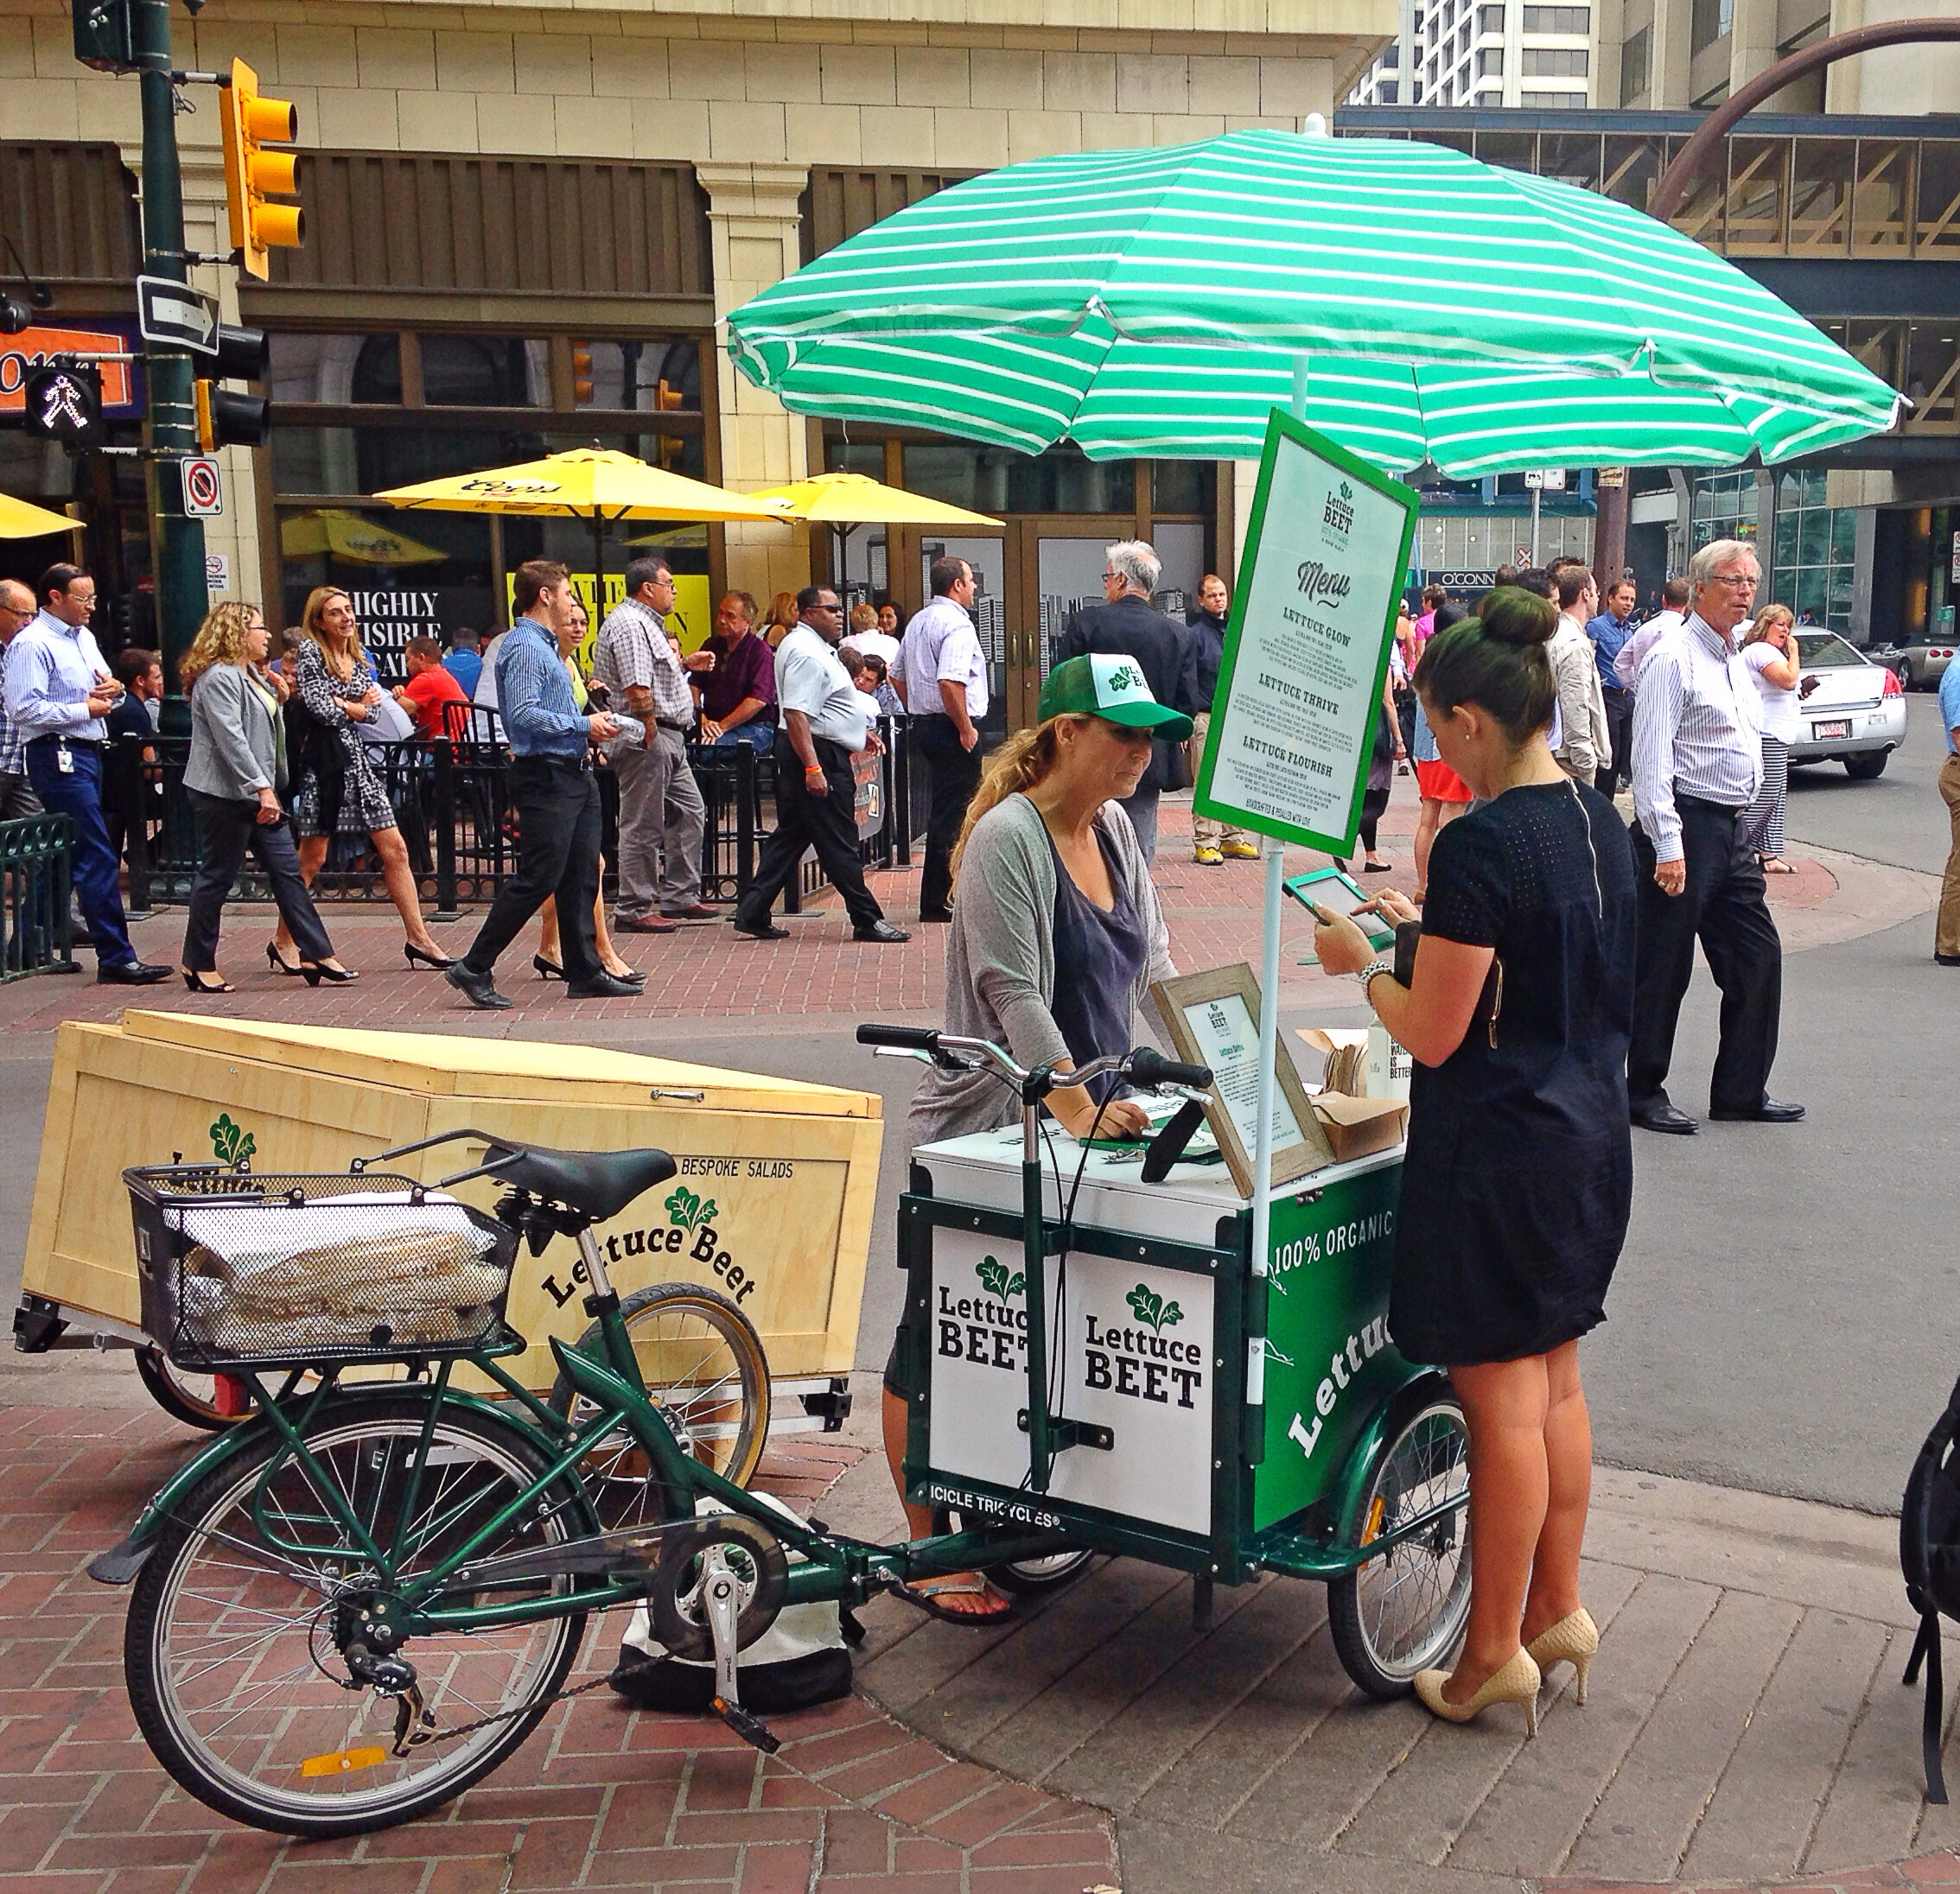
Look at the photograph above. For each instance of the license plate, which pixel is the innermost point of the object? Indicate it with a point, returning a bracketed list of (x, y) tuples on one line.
[(1826, 733)]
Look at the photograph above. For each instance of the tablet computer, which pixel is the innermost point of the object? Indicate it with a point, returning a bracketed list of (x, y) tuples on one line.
[(1332, 889)]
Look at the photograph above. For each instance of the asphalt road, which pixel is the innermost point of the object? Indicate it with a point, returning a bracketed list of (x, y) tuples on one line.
[(1782, 1317)]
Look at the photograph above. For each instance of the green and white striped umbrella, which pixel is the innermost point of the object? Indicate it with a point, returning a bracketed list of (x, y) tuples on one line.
[(1156, 302)]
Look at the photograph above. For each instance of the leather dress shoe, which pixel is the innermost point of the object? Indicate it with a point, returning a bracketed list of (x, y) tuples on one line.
[(766, 930), (647, 924), (701, 911), (130, 973), (602, 986), (480, 989), (1769, 1111), (881, 932), (1660, 1116)]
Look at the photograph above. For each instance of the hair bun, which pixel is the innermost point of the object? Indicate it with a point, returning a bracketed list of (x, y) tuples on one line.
[(1513, 616)]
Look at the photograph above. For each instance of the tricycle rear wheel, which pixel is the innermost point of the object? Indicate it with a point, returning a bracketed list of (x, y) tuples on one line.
[(1404, 1611)]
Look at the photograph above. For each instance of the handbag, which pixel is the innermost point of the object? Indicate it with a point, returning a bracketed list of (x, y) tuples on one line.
[(1490, 1001)]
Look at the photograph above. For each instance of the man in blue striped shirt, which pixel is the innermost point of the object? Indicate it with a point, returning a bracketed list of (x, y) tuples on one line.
[(1697, 765), (554, 795)]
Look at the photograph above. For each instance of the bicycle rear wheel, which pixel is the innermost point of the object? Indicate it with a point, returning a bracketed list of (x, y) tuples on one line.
[(235, 1646), (705, 1371)]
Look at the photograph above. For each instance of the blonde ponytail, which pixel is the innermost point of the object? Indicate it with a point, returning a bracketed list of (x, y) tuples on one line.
[(1020, 763)]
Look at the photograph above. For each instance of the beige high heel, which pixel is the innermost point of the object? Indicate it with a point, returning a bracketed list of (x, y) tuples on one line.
[(1516, 1682), (1574, 1640)]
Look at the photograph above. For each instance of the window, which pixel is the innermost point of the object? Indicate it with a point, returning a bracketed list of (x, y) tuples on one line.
[(1391, 60), (1814, 550), (1491, 60), (337, 368), (1385, 91), (1636, 64), (1558, 19), (485, 371), (638, 375), (1491, 19), (1556, 61), (1709, 21)]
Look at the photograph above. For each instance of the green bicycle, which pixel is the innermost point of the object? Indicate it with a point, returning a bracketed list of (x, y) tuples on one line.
[(351, 1607)]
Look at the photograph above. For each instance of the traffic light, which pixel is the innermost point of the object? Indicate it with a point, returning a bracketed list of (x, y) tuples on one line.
[(672, 447), (581, 374), (253, 174), (105, 37), (62, 401), (225, 418)]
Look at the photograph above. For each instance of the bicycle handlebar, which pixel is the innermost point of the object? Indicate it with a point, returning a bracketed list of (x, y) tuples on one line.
[(1144, 1066)]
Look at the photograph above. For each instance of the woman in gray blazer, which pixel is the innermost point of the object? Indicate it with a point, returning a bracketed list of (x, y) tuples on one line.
[(234, 778)]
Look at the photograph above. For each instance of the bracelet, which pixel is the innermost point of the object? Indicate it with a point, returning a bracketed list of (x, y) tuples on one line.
[(1367, 975), (812, 769)]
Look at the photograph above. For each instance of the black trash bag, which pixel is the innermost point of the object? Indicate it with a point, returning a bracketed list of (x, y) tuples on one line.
[(1929, 1555)]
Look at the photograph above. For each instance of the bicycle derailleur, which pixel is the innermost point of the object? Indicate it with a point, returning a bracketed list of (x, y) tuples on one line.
[(366, 1632)]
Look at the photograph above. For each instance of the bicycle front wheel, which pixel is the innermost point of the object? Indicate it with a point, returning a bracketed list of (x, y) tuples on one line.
[(1403, 1612), (236, 1651)]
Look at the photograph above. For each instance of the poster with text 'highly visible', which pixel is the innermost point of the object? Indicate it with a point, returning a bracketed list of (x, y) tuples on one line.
[(1306, 653)]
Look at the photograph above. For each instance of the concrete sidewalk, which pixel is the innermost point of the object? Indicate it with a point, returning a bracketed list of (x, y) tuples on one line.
[(1745, 1723)]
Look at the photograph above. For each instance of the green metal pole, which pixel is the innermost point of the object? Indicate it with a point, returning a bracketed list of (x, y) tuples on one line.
[(177, 543)]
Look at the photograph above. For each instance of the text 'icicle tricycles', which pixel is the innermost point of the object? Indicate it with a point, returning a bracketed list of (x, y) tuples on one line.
[(351, 1607)]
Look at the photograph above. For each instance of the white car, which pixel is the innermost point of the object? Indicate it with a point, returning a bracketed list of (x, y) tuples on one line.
[(1852, 711)]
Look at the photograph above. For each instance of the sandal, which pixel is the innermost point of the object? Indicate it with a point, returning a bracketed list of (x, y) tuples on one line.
[(927, 1592), (1777, 865)]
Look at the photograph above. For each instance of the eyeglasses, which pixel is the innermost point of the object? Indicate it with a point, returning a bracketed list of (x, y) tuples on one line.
[(826, 605), (1736, 581)]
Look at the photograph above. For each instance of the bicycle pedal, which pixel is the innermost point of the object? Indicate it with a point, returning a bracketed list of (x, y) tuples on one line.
[(751, 1729)]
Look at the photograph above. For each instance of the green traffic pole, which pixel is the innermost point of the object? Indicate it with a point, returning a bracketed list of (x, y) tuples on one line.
[(178, 543)]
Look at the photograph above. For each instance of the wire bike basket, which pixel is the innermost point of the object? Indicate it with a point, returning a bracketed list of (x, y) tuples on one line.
[(239, 1270)]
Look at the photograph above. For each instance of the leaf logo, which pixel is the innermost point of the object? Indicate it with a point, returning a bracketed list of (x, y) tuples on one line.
[(232, 1143), (994, 1279), (1126, 678), (1149, 1307), (688, 1210), (1347, 492)]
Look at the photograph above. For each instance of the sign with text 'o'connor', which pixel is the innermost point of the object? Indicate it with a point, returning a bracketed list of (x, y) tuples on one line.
[(1305, 652)]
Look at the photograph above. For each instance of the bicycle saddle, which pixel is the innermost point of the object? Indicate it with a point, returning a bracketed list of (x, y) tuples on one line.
[(601, 1184)]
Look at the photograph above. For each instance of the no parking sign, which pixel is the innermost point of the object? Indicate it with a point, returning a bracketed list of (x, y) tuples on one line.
[(204, 491)]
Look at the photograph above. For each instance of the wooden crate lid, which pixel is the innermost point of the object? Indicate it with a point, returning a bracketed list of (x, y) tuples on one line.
[(455, 1065)]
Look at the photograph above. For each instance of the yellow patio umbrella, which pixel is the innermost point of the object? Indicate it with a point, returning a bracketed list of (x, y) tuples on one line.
[(338, 534), (19, 520), (847, 500), (600, 485), (857, 499)]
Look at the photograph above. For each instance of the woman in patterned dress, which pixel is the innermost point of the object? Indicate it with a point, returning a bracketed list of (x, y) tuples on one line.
[(337, 786)]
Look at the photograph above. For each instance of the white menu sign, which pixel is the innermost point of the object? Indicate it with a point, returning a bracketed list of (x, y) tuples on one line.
[(1305, 652)]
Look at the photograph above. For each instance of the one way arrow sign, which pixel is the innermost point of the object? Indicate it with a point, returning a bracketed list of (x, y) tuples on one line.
[(176, 316)]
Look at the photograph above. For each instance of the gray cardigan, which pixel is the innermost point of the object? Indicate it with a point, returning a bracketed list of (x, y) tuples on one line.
[(234, 750), (1000, 960)]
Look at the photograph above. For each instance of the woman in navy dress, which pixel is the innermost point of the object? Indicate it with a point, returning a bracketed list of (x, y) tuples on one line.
[(1517, 1179)]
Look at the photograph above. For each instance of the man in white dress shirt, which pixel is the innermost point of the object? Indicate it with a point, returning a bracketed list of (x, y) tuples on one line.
[(1697, 765), (941, 678)]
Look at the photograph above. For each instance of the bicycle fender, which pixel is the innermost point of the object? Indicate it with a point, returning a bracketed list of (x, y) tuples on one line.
[(1422, 1385), (122, 1560)]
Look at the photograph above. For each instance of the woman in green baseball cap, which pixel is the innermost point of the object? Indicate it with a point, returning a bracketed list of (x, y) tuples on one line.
[(1056, 939)]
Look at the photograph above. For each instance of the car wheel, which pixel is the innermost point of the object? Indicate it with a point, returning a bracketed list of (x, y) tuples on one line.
[(1865, 768)]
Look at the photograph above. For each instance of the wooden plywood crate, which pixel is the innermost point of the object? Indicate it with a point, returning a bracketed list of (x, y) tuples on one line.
[(772, 1204)]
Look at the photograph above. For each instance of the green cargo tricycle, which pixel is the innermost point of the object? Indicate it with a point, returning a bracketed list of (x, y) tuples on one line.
[(354, 1604)]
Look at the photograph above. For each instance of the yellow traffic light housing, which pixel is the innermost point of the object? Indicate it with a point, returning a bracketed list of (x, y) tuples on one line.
[(207, 428), (253, 174), (672, 447), (581, 374)]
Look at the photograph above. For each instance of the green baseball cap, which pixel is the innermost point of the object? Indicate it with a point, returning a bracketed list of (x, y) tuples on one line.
[(1113, 689)]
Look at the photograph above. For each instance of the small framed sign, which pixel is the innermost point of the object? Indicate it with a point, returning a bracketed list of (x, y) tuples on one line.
[(1213, 1020)]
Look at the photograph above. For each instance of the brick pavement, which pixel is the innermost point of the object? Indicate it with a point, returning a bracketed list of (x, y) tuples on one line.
[(602, 1796)]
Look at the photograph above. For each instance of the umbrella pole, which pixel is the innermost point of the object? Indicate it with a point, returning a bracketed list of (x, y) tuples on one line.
[(598, 566), (1269, 1038)]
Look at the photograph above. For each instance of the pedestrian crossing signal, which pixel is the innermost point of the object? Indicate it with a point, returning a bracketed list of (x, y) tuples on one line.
[(254, 175)]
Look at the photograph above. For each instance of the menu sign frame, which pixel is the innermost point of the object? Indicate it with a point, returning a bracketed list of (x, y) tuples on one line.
[(1307, 644)]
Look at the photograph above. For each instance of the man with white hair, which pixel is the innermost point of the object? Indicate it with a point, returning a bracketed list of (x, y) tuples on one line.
[(1697, 765), (1128, 624)]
